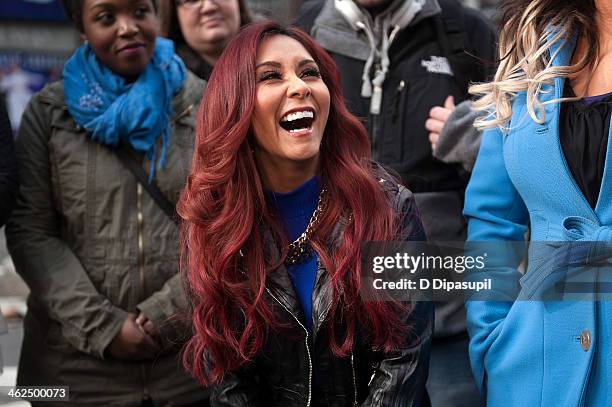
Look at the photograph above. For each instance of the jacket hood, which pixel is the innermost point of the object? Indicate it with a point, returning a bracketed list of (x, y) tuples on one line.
[(334, 33)]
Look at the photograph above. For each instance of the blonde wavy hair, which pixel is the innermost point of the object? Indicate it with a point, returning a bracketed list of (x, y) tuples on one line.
[(529, 30)]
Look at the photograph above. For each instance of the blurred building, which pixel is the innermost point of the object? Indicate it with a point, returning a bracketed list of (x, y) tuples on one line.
[(35, 40)]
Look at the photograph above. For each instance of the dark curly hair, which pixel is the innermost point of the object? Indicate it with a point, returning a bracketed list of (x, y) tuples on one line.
[(74, 11)]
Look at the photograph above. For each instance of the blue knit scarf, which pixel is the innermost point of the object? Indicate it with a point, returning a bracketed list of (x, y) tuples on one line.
[(113, 111)]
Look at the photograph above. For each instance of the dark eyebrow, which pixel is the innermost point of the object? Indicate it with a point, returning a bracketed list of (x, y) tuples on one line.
[(111, 5), (277, 65), (268, 63), (102, 6), (306, 62)]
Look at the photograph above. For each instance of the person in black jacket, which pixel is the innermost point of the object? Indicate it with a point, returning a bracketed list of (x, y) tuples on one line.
[(9, 178), (404, 65), (9, 182), (281, 195)]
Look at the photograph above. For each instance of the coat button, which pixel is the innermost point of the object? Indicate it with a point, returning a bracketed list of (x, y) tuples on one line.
[(585, 340)]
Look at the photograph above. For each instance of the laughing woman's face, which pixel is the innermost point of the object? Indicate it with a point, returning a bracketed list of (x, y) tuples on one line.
[(291, 104), (121, 33)]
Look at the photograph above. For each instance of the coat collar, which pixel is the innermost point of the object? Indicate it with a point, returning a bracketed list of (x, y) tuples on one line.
[(561, 51)]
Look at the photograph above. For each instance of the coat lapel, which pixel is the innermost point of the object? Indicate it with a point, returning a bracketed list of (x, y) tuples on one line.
[(278, 280), (561, 53)]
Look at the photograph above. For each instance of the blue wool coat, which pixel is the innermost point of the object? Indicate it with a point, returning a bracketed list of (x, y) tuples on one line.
[(533, 353)]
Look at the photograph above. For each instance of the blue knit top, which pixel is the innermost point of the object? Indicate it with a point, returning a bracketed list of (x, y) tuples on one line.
[(295, 209)]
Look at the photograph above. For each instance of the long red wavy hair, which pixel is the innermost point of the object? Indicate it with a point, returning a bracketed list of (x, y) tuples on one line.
[(224, 212)]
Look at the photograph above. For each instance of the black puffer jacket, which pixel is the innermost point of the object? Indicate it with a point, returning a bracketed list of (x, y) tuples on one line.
[(419, 77), (291, 366)]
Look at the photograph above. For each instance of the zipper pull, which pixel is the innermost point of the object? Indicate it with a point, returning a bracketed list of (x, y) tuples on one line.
[(398, 94), (377, 93), (376, 100)]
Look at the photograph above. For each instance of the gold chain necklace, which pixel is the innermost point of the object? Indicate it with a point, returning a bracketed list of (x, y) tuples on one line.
[(300, 249)]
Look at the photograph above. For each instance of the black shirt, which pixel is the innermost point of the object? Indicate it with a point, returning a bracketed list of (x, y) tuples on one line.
[(583, 131)]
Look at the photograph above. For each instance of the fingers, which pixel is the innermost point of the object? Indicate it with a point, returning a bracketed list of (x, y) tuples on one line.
[(149, 328), (433, 139), (141, 319), (145, 347), (449, 103), (133, 342), (152, 347), (146, 325), (434, 126), (440, 113)]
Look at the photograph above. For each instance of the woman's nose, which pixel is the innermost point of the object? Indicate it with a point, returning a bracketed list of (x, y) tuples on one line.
[(127, 27), (207, 6), (298, 88)]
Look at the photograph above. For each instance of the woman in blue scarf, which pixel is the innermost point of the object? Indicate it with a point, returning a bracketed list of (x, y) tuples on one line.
[(97, 251)]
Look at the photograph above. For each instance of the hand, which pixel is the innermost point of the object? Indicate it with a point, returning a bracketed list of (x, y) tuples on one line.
[(132, 342), (147, 326), (438, 116)]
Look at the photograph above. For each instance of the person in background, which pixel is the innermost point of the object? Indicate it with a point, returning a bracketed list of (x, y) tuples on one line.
[(544, 166), (9, 174), (404, 65), (9, 182), (98, 253), (201, 29), (280, 197)]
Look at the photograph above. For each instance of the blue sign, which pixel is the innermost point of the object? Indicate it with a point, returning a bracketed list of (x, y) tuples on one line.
[(24, 73), (37, 10)]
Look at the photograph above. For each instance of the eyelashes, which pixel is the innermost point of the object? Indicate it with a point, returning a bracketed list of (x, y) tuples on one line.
[(312, 72), (270, 75)]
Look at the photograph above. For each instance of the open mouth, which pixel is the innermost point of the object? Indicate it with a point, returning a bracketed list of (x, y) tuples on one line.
[(298, 121)]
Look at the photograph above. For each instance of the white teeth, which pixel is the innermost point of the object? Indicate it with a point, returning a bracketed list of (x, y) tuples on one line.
[(296, 130), (298, 115)]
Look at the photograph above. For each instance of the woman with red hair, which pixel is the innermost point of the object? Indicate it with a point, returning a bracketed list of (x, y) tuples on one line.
[(280, 197)]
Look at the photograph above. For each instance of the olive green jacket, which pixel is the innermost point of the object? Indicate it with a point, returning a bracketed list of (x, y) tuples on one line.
[(92, 245)]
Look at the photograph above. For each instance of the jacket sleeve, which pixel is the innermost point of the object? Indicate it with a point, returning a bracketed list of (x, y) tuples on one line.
[(459, 139), (400, 376), (237, 389), (43, 258), (9, 177), (167, 309), (495, 212)]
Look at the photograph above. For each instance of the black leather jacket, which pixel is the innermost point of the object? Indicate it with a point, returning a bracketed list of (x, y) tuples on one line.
[(299, 369)]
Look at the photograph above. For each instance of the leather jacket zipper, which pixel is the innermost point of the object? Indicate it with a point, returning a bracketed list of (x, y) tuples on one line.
[(398, 95), (355, 404), (307, 347)]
